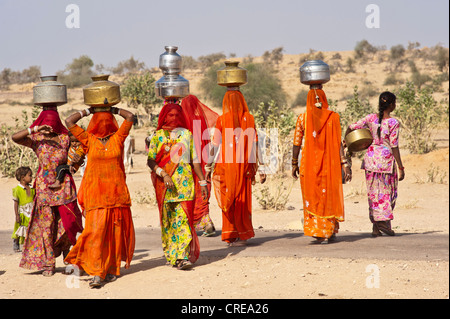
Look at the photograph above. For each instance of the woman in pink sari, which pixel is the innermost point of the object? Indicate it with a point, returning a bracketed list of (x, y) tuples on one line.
[(56, 218)]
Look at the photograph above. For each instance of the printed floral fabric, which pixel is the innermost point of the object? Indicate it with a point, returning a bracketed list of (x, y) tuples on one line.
[(45, 240), (316, 226), (51, 155), (175, 232), (182, 177), (379, 157), (382, 193)]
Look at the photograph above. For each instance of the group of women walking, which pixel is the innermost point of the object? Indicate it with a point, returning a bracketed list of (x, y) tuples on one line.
[(184, 161)]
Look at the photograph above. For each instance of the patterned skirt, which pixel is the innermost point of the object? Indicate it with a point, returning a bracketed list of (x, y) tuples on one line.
[(382, 194)]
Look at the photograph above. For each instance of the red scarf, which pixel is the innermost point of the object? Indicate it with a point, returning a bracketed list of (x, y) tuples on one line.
[(170, 124), (51, 118)]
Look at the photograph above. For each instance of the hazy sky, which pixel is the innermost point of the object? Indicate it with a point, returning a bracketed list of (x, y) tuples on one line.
[(34, 32)]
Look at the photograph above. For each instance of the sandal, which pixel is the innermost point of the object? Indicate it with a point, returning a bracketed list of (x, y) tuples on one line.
[(375, 230), (384, 227), (96, 282), (110, 278), (183, 264), (48, 273)]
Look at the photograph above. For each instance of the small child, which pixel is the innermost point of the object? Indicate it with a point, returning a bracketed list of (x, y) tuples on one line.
[(23, 196), (75, 158)]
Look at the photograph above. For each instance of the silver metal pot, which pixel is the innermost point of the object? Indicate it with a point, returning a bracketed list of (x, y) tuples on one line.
[(314, 72), (172, 84), (49, 92), (170, 62)]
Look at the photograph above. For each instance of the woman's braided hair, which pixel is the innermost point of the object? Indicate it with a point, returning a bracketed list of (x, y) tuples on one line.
[(385, 101)]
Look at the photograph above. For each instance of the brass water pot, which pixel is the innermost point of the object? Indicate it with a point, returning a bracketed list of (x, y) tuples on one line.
[(101, 92), (49, 92), (231, 74), (358, 140)]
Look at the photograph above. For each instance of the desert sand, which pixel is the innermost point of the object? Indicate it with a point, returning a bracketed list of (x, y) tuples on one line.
[(422, 208)]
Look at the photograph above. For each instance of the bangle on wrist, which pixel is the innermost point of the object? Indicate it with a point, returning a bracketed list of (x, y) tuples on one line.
[(81, 114), (36, 129), (402, 168), (87, 112), (29, 131), (203, 183)]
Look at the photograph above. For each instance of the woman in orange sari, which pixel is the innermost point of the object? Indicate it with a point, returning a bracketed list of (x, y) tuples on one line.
[(171, 153), (108, 237), (320, 167), (235, 170)]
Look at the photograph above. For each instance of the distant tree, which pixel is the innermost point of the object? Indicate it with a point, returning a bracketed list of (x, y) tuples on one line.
[(397, 51), (77, 73), (139, 90), (419, 115), (442, 58), (207, 61), (275, 56), (189, 62), (129, 66), (362, 48)]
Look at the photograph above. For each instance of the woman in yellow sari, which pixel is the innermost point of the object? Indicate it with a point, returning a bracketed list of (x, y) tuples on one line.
[(171, 152)]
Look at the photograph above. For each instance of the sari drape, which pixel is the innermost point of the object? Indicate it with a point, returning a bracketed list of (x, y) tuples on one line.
[(168, 160), (320, 171), (236, 166), (109, 236), (199, 120)]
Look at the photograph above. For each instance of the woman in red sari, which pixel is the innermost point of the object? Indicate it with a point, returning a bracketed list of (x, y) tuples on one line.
[(199, 120), (56, 218), (108, 237), (235, 169), (171, 153)]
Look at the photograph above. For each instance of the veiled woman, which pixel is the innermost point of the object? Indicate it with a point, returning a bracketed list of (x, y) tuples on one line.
[(56, 218), (108, 237), (234, 172), (321, 167), (171, 154)]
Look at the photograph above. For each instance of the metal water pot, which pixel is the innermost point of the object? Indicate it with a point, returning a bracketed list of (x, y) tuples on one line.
[(231, 75), (170, 62), (101, 92), (49, 92), (314, 72), (172, 84), (358, 140)]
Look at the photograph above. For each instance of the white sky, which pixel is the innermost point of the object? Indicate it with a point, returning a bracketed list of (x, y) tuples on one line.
[(34, 32)]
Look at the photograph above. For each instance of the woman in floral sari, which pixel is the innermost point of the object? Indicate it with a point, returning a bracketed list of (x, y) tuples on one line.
[(56, 218), (380, 164), (171, 153)]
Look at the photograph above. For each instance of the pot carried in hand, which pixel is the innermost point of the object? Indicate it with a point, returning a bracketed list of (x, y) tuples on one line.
[(358, 140), (101, 93), (49, 92)]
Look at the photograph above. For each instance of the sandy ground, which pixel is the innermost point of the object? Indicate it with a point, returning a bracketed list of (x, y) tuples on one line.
[(422, 207)]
